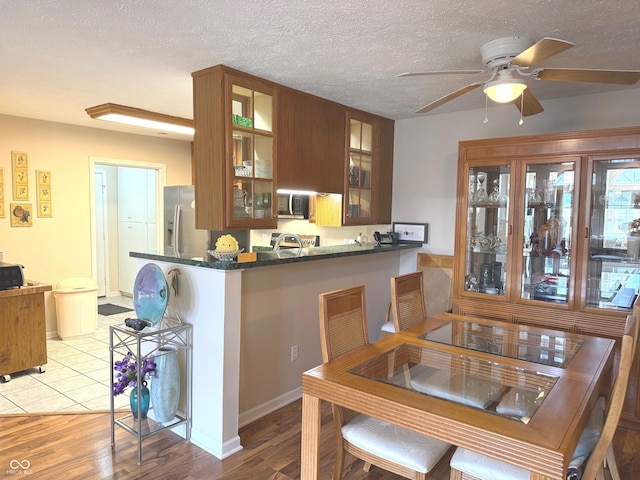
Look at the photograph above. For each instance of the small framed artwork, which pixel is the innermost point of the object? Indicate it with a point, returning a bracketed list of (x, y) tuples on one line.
[(1, 194), (44, 193), (20, 170), (20, 214), (411, 232)]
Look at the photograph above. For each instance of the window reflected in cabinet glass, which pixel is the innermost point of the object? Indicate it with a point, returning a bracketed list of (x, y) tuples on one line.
[(487, 229), (614, 265), (548, 220)]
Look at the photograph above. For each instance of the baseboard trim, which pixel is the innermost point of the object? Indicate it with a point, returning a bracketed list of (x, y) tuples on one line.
[(245, 418)]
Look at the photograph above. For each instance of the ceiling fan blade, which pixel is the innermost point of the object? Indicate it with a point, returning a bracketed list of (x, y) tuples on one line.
[(619, 77), (540, 51), (446, 98), (442, 72), (530, 105)]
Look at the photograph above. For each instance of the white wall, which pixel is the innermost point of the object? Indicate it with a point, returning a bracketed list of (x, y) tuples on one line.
[(426, 151)]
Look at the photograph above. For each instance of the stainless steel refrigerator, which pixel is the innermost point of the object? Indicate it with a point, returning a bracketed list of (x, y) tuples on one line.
[(181, 237)]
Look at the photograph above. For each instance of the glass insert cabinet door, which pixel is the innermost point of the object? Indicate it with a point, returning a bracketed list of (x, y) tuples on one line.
[(251, 153), (487, 229), (613, 275), (360, 170), (548, 220)]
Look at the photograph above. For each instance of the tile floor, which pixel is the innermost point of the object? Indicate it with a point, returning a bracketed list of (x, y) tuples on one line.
[(77, 373)]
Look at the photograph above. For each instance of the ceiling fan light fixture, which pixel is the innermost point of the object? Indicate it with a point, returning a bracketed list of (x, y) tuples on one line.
[(141, 118), (506, 89)]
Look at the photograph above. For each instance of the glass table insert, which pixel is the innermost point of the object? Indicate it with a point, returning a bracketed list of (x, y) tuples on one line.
[(492, 387), (555, 349)]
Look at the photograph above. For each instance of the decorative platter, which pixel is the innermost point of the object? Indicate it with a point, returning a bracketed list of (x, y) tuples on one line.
[(150, 294)]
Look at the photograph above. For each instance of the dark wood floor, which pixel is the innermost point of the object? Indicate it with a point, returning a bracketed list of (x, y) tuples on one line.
[(78, 447)]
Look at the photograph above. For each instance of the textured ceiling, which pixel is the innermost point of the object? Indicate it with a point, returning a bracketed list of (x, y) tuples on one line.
[(58, 57)]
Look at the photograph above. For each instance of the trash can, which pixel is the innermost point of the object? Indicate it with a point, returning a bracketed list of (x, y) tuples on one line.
[(76, 306)]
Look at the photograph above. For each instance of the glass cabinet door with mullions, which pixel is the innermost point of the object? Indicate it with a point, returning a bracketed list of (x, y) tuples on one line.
[(487, 229), (548, 222), (251, 153), (613, 275), (358, 206)]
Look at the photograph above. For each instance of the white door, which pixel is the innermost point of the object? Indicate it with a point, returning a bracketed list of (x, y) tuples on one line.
[(102, 228)]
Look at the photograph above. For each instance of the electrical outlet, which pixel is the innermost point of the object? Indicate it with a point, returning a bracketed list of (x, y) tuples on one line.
[(294, 353), (264, 238)]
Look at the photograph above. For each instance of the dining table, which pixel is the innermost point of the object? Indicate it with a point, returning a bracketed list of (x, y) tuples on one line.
[(520, 394)]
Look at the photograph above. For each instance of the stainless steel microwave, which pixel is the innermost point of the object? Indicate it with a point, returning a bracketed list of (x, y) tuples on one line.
[(293, 205)]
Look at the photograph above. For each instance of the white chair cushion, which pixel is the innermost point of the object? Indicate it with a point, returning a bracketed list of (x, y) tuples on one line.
[(400, 445), (466, 389), (517, 403), (486, 468), (388, 327)]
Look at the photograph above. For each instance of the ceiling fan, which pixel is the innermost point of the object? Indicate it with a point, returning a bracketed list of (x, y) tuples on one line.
[(509, 61)]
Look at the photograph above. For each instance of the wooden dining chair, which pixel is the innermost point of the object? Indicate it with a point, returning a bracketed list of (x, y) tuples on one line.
[(407, 300), (595, 441), (343, 329)]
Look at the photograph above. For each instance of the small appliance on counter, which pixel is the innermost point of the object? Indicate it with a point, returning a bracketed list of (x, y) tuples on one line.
[(11, 276), (289, 242), (389, 238)]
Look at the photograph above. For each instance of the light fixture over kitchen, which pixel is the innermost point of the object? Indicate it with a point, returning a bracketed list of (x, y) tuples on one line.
[(142, 118)]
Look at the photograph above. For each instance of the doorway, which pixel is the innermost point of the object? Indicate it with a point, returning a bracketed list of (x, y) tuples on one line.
[(113, 227)]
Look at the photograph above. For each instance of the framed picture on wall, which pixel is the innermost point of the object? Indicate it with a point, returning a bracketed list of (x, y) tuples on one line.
[(20, 170), (411, 232), (2, 215), (44, 193), (21, 215)]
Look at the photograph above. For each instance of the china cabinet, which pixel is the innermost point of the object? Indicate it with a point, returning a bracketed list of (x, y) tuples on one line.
[(545, 233), (234, 150), (145, 343)]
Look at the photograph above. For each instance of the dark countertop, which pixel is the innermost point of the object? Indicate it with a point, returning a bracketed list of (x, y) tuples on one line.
[(270, 258)]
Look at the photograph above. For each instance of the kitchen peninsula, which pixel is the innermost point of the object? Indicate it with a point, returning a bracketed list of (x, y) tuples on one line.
[(256, 326)]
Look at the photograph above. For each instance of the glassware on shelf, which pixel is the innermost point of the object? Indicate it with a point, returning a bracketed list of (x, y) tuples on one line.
[(495, 196), (549, 190), (480, 195), (533, 197)]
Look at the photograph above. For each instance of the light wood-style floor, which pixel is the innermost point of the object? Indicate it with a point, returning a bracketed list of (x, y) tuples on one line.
[(77, 446)]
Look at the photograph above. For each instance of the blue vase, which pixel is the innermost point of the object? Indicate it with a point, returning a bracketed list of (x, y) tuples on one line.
[(145, 399), (165, 385)]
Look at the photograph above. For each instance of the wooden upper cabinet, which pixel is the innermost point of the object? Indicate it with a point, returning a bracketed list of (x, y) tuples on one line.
[(234, 150), (254, 136), (310, 142), (368, 169), (385, 171)]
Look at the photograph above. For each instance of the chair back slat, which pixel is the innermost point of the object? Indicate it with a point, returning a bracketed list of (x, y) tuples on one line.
[(343, 322), (616, 400), (407, 300)]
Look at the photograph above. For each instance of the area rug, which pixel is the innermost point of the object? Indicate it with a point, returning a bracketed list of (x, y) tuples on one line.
[(111, 309)]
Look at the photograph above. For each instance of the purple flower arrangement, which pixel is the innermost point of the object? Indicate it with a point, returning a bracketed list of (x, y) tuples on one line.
[(126, 372)]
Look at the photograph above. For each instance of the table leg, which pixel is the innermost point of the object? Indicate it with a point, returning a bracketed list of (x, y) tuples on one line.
[(310, 454)]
